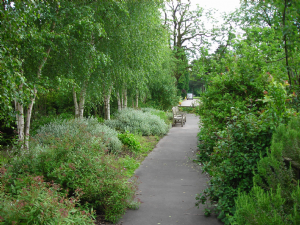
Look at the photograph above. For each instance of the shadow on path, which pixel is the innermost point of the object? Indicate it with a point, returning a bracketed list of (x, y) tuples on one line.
[(170, 181)]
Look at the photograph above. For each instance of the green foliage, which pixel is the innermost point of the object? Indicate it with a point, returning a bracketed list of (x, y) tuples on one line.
[(86, 133), (226, 92), (261, 207), (234, 157), (189, 109), (129, 141), (102, 180), (137, 121), (274, 199), (166, 116), (129, 165), (30, 200)]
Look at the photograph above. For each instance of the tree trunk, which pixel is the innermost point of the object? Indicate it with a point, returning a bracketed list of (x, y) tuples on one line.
[(125, 98), (75, 103), (20, 109), (107, 105), (82, 101), (79, 107), (119, 101), (28, 119), (137, 99), (20, 120)]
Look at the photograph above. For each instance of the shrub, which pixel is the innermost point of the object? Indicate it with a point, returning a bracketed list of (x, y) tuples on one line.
[(29, 200), (100, 177), (233, 160), (264, 206), (166, 116), (85, 132), (137, 121), (129, 141)]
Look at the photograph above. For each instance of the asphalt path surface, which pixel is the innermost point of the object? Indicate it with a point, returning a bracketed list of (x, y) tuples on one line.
[(194, 102), (170, 181)]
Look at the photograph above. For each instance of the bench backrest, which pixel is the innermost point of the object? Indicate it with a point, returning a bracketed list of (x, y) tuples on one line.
[(175, 110)]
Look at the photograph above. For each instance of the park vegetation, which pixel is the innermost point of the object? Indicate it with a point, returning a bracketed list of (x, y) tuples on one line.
[(69, 71), (249, 142), (79, 84)]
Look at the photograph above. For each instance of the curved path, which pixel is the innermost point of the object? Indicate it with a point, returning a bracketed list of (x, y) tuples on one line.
[(170, 181)]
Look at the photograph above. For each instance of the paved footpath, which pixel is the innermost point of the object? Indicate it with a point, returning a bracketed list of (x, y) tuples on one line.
[(170, 182)]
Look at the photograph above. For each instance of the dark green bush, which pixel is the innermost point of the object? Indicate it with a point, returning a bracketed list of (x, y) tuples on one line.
[(129, 141), (226, 91), (232, 137), (275, 197), (235, 155)]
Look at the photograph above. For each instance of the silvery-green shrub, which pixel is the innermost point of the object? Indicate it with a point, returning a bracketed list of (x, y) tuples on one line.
[(138, 121), (89, 130)]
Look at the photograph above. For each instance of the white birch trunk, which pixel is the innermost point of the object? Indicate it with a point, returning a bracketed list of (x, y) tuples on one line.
[(125, 98), (75, 104), (81, 102), (122, 101), (119, 101), (107, 105), (28, 119), (137, 99), (20, 121)]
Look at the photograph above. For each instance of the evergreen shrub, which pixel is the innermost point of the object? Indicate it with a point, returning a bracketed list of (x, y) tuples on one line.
[(232, 137), (275, 197)]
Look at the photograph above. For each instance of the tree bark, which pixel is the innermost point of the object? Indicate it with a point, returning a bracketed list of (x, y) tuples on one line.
[(82, 101), (20, 120), (24, 134), (79, 106), (125, 98), (75, 103), (107, 105), (137, 99), (28, 119), (119, 101)]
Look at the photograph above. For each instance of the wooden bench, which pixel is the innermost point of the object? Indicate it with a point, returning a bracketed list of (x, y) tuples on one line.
[(178, 117)]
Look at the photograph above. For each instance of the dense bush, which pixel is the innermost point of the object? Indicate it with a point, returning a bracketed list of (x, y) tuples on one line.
[(88, 132), (225, 92), (166, 116), (137, 121), (130, 142), (232, 137), (101, 178), (275, 197), (30, 200), (235, 155), (75, 155)]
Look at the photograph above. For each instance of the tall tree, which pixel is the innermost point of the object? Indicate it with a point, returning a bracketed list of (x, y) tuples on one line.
[(187, 32)]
